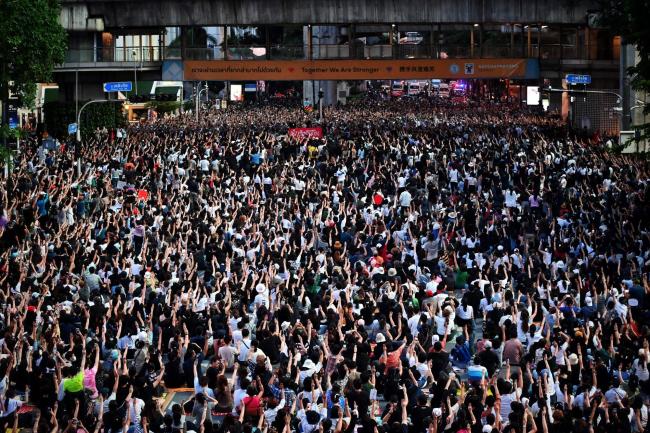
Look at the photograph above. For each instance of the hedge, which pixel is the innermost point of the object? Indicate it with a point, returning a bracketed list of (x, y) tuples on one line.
[(59, 114)]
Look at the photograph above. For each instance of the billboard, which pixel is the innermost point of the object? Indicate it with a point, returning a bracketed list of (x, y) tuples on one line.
[(288, 70), (532, 95)]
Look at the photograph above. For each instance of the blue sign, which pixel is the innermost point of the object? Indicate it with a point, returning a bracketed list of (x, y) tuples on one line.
[(578, 79), (12, 114), (119, 86), (72, 128)]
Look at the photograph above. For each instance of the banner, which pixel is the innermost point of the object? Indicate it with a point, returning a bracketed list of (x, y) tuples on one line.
[(306, 132), (288, 70)]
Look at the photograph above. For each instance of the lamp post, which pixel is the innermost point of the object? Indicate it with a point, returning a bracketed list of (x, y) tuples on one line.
[(320, 104), (135, 69), (198, 100), (78, 136)]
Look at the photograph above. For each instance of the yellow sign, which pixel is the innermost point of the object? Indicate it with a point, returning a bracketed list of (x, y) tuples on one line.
[(289, 70)]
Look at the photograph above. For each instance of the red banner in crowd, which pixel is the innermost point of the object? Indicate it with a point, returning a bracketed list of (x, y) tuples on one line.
[(306, 132)]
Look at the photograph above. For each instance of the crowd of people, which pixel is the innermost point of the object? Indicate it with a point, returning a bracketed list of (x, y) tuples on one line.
[(423, 267)]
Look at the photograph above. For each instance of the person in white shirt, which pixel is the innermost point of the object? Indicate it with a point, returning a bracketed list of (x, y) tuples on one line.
[(511, 392), (510, 198), (205, 165), (308, 368), (405, 199), (453, 179), (244, 345)]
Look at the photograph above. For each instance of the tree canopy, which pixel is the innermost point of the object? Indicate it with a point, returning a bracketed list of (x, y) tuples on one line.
[(32, 42)]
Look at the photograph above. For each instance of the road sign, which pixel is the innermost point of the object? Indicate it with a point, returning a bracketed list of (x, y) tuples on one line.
[(578, 79), (72, 128), (119, 86)]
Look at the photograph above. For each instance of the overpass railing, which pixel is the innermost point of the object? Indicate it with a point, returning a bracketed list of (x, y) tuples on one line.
[(149, 54)]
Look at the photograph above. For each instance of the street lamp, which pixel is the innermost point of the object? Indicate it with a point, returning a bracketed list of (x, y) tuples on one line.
[(320, 103), (198, 100), (78, 135), (135, 69)]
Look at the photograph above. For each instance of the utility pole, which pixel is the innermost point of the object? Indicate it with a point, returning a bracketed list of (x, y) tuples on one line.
[(135, 70), (198, 99), (320, 104)]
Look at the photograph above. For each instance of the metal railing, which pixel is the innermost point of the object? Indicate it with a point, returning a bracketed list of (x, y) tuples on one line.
[(546, 52), (283, 52), (114, 54), (246, 53), (415, 51), (137, 54), (495, 51), (192, 53), (330, 51), (173, 53), (456, 51)]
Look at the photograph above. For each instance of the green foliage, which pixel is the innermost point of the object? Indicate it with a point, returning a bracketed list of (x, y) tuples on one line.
[(6, 132), (5, 152), (32, 41), (5, 157), (189, 105), (58, 115), (630, 18), (109, 115), (163, 107)]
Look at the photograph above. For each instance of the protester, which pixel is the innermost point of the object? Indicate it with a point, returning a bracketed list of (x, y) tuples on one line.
[(425, 266)]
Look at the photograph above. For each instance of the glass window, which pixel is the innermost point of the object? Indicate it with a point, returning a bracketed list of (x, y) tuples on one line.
[(454, 41), (246, 36), (518, 40), (549, 41), (246, 42), (286, 41), (331, 42), (495, 40), (204, 43), (569, 41), (172, 37), (414, 42), (371, 42)]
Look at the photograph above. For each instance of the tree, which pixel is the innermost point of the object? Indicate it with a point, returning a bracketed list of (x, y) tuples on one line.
[(32, 41), (629, 19)]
